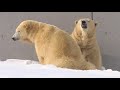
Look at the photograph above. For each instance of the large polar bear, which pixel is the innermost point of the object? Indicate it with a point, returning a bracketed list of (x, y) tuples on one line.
[(53, 45), (85, 35)]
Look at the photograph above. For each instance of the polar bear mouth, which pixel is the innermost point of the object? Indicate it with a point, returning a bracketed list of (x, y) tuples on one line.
[(84, 24)]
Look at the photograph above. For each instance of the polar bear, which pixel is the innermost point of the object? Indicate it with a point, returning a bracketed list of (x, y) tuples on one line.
[(84, 34), (53, 45)]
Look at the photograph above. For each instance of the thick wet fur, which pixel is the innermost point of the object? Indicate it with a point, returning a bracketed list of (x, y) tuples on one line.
[(53, 45), (85, 35)]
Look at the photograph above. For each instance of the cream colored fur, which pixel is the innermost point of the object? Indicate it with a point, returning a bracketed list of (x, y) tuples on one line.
[(87, 41), (53, 45)]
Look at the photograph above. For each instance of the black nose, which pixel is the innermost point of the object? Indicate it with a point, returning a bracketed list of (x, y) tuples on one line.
[(83, 22), (13, 39)]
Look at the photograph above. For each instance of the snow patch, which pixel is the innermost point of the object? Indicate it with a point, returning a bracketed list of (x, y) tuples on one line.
[(16, 68)]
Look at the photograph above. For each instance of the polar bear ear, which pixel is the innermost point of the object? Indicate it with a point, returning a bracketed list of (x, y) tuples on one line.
[(96, 24), (76, 21)]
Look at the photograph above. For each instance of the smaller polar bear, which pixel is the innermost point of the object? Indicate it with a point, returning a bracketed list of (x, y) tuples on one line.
[(85, 35), (53, 45)]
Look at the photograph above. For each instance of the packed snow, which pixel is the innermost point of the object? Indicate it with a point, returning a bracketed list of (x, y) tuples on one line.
[(15, 68)]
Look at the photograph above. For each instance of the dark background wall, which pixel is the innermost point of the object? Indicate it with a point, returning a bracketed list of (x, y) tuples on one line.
[(107, 33)]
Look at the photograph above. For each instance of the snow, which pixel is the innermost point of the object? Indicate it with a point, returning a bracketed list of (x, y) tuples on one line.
[(16, 68)]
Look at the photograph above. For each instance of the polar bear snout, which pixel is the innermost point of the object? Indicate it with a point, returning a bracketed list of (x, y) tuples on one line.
[(84, 24), (16, 36), (15, 39)]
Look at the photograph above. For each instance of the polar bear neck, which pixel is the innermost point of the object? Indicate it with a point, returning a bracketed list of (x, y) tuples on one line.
[(84, 41), (43, 32), (32, 34)]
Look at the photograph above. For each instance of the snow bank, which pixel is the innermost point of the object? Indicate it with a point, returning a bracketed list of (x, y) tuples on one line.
[(15, 68)]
